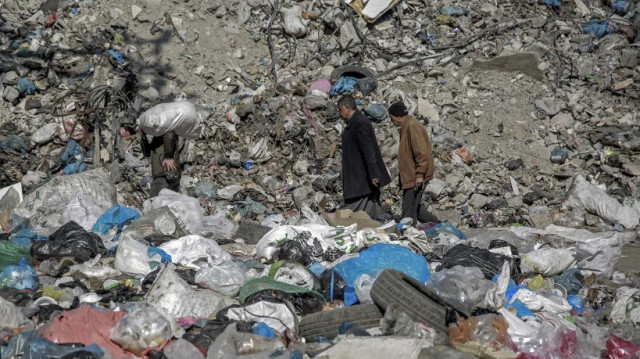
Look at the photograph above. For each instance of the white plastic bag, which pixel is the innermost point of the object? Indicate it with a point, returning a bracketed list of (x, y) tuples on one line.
[(276, 315), (293, 23), (584, 195), (131, 256), (496, 295), (195, 251), (180, 117), (364, 283), (83, 210), (547, 261), (45, 133), (226, 278), (187, 210)]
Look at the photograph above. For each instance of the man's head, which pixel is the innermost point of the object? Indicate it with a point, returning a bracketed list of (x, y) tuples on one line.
[(346, 106), (398, 113)]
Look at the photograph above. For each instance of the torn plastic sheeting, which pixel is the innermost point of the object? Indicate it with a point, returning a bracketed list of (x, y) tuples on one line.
[(226, 345), (173, 295), (537, 302), (195, 251), (618, 348), (95, 184), (276, 315), (116, 216), (226, 278), (180, 117), (83, 211), (94, 271), (379, 257), (584, 195), (87, 326), (496, 295), (619, 312), (181, 349), (72, 158), (187, 210), (11, 316), (548, 261), (45, 133), (518, 329), (216, 227)]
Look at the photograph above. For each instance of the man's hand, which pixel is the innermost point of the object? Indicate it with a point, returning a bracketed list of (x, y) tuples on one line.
[(140, 130), (419, 180), (375, 182), (169, 164)]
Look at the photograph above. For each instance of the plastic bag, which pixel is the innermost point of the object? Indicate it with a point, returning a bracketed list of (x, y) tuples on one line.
[(195, 251), (45, 133), (226, 278), (489, 263), (70, 240), (95, 184), (11, 316), (276, 315), (292, 251), (547, 261), (216, 227), (141, 329), (584, 195), (83, 211), (379, 257), (180, 349), (20, 277), (232, 344), (131, 256), (173, 295), (293, 23), (187, 210), (364, 283), (618, 348), (293, 273), (463, 287), (116, 216), (42, 348), (180, 117)]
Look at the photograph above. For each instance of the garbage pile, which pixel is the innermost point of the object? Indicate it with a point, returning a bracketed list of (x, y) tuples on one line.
[(529, 107)]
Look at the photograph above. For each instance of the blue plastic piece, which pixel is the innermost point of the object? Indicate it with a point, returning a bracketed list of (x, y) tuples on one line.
[(264, 330), (165, 257), (14, 144), (521, 309), (620, 6), (576, 303), (117, 56), (20, 277), (350, 297), (597, 27), (116, 216), (25, 86), (346, 84), (444, 228), (453, 11), (24, 237), (316, 268), (569, 280), (42, 348), (249, 164), (379, 257), (553, 3), (73, 158)]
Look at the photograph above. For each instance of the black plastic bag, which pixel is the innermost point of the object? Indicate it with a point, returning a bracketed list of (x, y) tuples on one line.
[(338, 285), (70, 240), (489, 263), (293, 251)]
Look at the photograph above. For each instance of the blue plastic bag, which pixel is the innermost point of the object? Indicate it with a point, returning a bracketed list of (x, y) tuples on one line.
[(43, 348), (117, 56), (264, 330), (597, 27), (376, 112), (521, 309), (164, 256), (346, 84), (553, 3), (20, 277), (620, 6), (379, 257), (453, 11), (14, 144), (316, 268), (576, 303), (25, 236), (569, 280), (25, 86), (116, 216), (73, 158), (444, 228)]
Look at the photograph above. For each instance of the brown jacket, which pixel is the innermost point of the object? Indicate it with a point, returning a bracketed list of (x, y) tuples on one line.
[(414, 153)]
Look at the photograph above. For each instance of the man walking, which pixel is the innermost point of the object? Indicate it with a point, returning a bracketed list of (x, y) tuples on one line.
[(363, 171), (415, 163)]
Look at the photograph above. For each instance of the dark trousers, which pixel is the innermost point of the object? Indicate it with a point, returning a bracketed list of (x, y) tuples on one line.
[(371, 204), (413, 208), (159, 183)]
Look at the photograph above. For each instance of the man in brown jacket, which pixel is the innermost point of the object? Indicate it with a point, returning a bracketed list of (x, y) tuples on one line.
[(415, 163)]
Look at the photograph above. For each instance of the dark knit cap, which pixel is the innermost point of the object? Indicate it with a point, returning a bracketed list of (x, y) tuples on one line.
[(398, 109)]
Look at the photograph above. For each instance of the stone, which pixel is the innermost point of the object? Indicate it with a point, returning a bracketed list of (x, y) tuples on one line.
[(562, 121), (549, 106), (628, 59), (632, 168), (301, 167), (428, 110), (135, 11), (11, 94), (115, 13), (540, 221), (435, 187), (478, 200), (10, 78), (623, 84), (348, 35)]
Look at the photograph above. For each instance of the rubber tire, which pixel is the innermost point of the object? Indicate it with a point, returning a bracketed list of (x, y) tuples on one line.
[(326, 324), (411, 297), (360, 71)]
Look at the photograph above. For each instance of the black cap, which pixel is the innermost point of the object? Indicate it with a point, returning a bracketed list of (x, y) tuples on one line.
[(398, 109)]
